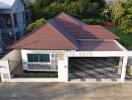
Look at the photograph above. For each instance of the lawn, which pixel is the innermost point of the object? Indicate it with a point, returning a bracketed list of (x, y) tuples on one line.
[(36, 75), (125, 39)]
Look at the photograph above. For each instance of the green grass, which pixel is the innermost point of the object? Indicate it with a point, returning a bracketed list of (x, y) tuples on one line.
[(125, 39), (37, 75)]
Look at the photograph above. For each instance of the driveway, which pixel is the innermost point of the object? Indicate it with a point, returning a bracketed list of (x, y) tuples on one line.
[(65, 91)]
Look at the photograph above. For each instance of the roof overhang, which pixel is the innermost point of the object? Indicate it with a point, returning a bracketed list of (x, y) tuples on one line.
[(102, 51), (101, 45)]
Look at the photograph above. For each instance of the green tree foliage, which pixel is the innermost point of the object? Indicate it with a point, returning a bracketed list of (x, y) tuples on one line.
[(77, 8), (36, 24), (40, 4), (88, 8), (117, 10), (52, 10), (126, 20)]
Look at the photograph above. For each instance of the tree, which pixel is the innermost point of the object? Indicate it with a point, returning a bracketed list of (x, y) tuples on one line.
[(36, 24), (40, 4), (53, 9), (77, 8), (126, 20), (117, 10), (91, 8)]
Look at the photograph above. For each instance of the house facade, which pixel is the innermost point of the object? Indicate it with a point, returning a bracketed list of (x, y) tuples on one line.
[(68, 49), (14, 18)]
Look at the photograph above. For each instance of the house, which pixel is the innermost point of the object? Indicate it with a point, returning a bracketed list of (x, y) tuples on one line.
[(68, 50), (14, 18)]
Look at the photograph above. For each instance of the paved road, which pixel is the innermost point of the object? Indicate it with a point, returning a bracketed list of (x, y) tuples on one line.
[(63, 91)]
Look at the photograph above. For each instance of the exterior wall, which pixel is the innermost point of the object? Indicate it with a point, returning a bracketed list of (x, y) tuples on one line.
[(14, 58), (53, 57), (62, 64), (63, 69), (96, 54), (4, 70), (15, 55), (18, 8)]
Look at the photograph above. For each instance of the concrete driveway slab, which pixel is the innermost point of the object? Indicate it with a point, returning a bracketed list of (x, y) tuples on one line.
[(65, 91)]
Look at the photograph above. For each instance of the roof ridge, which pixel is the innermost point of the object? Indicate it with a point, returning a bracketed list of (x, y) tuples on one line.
[(61, 34), (78, 22), (67, 32)]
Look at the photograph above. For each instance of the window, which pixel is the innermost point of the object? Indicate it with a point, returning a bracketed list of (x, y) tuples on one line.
[(30, 58), (44, 57), (6, 20), (38, 57)]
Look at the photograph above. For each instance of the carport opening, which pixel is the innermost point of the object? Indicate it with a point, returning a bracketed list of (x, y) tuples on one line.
[(94, 68)]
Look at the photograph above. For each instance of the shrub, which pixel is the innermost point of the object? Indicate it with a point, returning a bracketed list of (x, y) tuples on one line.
[(128, 71), (36, 24)]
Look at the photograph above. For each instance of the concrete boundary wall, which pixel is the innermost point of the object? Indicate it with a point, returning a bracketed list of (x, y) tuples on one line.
[(62, 65)]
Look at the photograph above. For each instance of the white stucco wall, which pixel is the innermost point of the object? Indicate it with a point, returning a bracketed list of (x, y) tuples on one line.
[(62, 64), (4, 70), (14, 58), (63, 69), (52, 53)]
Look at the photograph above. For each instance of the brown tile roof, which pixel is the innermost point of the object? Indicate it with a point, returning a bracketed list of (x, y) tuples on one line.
[(68, 35), (98, 45), (83, 31), (46, 37), (62, 33)]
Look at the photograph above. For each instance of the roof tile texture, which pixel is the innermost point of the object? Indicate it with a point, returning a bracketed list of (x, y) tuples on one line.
[(83, 31), (99, 46), (64, 33), (44, 38)]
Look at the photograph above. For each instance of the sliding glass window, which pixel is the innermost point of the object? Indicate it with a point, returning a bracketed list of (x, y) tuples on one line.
[(38, 57)]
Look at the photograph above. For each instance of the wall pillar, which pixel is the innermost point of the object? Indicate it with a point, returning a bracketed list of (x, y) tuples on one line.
[(63, 69), (120, 65), (4, 70), (123, 73)]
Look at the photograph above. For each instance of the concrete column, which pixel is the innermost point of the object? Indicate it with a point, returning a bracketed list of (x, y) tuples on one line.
[(5, 71), (13, 26), (123, 73), (120, 65), (25, 59), (63, 70)]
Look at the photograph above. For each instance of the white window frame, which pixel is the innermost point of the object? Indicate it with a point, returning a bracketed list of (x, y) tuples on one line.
[(43, 63)]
